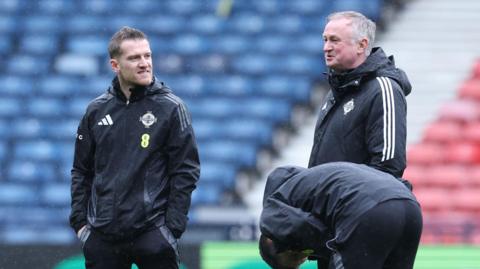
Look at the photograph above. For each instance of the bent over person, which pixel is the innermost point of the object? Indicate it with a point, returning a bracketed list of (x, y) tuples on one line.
[(344, 215), (135, 165), (363, 118)]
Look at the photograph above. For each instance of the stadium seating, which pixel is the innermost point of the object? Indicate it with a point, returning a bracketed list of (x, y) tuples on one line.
[(241, 74)]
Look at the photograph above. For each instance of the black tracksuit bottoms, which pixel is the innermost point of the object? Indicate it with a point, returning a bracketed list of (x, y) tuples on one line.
[(387, 237), (156, 248)]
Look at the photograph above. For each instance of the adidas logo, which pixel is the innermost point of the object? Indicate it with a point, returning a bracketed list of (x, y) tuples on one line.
[(107, 120)]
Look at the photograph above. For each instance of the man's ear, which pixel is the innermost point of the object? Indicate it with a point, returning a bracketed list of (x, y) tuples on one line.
[(363, 45), (114, 65)]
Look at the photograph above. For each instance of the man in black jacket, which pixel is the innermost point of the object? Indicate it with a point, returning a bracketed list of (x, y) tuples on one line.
[(135, 165), (363, 118), (351, 214)]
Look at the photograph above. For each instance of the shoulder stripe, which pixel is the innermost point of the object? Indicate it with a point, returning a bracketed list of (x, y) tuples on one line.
[(181, 110), (388, 118)]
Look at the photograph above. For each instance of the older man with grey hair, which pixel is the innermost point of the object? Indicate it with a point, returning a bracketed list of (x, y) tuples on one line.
[(363, 117)]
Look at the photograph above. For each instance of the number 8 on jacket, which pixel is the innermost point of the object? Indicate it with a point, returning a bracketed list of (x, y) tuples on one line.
[(145, 140)]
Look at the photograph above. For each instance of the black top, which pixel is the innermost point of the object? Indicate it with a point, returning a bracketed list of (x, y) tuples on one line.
[(304, 208), (136, 163), (363, 119)]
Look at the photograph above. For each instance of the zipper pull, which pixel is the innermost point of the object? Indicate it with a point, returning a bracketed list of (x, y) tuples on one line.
[(128, 102)]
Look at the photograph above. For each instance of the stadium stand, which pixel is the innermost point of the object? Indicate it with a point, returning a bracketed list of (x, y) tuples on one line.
[(444, 169)]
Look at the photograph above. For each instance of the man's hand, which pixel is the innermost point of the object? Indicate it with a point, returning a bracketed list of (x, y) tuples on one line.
[(79, 233)]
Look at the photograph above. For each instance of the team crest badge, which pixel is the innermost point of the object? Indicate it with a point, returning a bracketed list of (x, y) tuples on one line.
[(349, 106), (148, 119)]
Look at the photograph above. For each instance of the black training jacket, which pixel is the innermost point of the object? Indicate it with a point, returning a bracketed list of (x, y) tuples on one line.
[(363, 119), (136, 163), (305, 208)]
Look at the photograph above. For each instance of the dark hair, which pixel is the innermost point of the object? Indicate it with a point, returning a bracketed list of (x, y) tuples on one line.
[(268, 252), (123, 34)]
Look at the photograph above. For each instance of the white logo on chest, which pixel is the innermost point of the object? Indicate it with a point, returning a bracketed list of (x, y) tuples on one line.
[(148, 119), (347, 107)]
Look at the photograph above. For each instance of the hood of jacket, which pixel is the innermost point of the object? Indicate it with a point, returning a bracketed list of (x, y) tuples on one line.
[(137, 93), (290, 227), (376, 64)]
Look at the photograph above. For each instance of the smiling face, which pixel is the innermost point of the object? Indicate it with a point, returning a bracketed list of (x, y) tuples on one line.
[(341, 48), (134, 64)]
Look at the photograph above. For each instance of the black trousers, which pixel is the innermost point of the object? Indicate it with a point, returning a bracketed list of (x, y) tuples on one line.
[(387, 237), (154, 249)]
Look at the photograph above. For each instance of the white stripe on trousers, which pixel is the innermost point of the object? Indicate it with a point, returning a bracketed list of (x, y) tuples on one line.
[(388, 118)]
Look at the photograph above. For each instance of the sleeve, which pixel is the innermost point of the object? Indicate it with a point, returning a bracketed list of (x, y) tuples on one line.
[(386, 128), (184, 169), (82, 175)]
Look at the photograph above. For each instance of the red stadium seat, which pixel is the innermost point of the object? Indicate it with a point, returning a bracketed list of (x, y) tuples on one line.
[(463, 153), (462, 110), (443, 131), (434, 199), (474, 176), (471, 132), (425, 153), (467, 200), (470, 89), (476, 69), (416, 174), (447, 176)]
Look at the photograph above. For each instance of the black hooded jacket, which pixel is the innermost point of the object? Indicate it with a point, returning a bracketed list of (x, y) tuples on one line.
[(363, 119), (305, 208), (135, 164)]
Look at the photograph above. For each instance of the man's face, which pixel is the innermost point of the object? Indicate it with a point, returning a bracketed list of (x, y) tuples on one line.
[(340, 49), (291, 259), (134, 65)]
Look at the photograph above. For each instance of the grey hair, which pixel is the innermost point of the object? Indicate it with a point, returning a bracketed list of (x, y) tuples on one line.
[(362, 26)]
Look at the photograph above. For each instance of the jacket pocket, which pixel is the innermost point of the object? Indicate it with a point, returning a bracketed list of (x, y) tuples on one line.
[(167, 234)]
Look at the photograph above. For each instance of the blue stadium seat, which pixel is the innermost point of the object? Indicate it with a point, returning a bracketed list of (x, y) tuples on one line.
[(230, 85), (310, 43), (5, 44), (267, 6), (28, 234), (169, 64), (8, 24), (10, 107), (87, 44), (28, 171), (27, 127), (35, 150), (45, 107), (275, 44), (55, 7), (206, 194), (84, 23), (188, 44), (254, 64), (371, 8), (163, 25), (62, 129), (55, 194), (77, 64), (3, 147), (302, 64), (94, 86), (5, 129), (187, 7), (28, 65), (17, 194), (76, 107), (219, 173), (188, 85), (208, 24), (306, 7), (273, 109), (59, 86), (10, 6), (285, 24), (231, 44), (291, 87), (42, 24), (210, 63), (256, 132), (240, 153), (35, 215), (16, 85), (247, 23)]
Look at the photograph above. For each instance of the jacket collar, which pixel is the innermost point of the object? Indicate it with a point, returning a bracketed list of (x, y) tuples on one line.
[(137, 93)]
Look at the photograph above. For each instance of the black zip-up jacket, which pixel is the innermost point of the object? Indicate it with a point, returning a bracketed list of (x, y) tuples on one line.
[(303, 208), (363, 119), (136, 163)]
